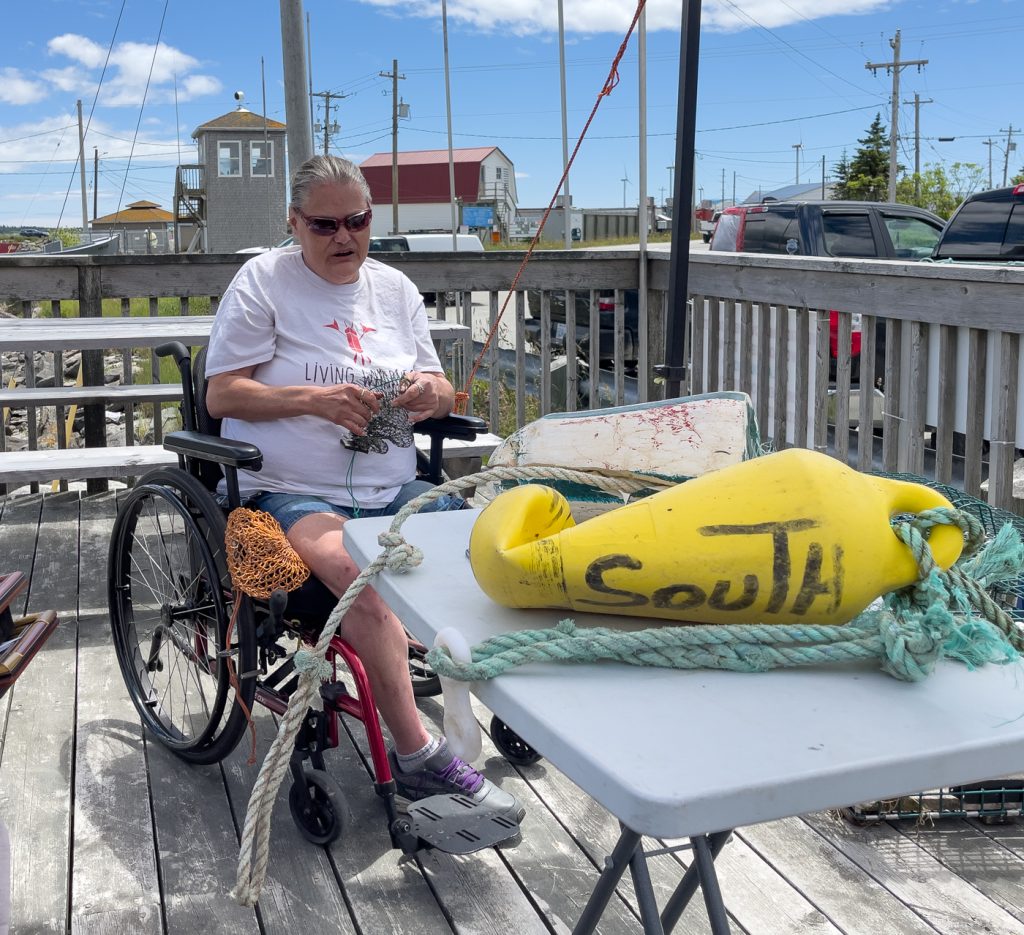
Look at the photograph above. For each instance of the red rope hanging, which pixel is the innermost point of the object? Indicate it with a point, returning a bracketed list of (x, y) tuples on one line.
[(462, 397)]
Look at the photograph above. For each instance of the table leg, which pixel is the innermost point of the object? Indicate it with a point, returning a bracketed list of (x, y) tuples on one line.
[(700, 873), (628, 844), (645, 893)]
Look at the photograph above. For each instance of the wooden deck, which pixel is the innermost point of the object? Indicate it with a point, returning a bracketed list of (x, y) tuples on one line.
[(112, 834)]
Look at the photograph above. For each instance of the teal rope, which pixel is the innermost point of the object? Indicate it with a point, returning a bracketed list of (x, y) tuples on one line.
[(914, 628)]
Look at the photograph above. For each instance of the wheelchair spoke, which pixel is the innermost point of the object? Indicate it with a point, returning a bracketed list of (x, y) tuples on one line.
[(170, 602)]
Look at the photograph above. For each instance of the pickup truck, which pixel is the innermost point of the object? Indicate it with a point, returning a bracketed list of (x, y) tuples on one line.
[(875, 230), (987, 228)]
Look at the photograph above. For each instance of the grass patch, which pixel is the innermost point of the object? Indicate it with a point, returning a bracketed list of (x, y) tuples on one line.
[(506, 406), (137, 308)]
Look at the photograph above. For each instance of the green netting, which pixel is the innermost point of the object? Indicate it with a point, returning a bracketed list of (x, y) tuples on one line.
[(990, 800), (990, 517)]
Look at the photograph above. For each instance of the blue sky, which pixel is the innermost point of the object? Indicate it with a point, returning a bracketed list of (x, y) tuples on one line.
[(773, 74)]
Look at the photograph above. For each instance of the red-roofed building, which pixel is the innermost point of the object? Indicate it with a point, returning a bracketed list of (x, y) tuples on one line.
[(485, 190)]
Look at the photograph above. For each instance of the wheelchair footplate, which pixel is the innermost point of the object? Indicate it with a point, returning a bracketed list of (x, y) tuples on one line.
[(456, 824)]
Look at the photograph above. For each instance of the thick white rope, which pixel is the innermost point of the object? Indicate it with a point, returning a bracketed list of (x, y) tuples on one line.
[(398, 556)]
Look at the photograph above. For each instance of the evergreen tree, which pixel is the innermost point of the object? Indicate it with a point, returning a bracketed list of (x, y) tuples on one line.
[(868, 171), (841, 178)]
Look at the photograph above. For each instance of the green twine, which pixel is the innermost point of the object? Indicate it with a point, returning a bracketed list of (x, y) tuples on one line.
[(936, 617)]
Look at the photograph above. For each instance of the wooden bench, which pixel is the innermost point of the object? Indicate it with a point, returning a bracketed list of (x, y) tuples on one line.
[(93, 334)]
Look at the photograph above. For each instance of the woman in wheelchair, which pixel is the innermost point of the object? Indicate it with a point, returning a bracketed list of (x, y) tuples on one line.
[(322, 358)]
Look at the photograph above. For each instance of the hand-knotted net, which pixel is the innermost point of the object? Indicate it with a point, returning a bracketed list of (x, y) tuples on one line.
[(260, 558)]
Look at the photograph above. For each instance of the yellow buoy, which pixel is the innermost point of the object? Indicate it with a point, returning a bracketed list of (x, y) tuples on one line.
[(792, 537)]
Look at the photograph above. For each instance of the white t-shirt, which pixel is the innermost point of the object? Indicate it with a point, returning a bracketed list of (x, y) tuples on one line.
[(297, 329)]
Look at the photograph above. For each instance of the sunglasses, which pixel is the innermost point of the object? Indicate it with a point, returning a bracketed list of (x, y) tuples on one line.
[(325, 227)]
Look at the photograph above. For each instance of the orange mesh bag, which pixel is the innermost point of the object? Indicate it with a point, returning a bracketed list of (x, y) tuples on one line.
[(260, 557)]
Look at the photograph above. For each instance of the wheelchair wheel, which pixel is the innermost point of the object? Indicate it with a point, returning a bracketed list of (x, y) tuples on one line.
[(425, 682), (511, 745), (170, 605), (318, 811)]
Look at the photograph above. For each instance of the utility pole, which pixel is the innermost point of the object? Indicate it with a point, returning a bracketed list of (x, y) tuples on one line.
[(296, 107), (723, 189), (894, 68), (917, 102), (989, 143), (328, 127), (81, 169), (822, 176), (798, 147), (95, 181), (394, 76), (1010, 145)]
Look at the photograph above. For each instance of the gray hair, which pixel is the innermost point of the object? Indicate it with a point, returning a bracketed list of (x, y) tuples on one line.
[(326, 170)]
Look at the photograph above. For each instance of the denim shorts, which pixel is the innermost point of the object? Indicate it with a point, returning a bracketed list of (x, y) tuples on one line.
[(289, 508)]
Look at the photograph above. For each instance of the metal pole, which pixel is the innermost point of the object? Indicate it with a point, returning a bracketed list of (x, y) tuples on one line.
[(95, 182), (293, 52), (394, 146), (1006, 155), (566, 200), (917, 149), (643, 215), (797, 147), (327, 121), (448, 110), (674, 368), (989, 144), (893, 129), (309, 72), (81, 172), (266, 155)]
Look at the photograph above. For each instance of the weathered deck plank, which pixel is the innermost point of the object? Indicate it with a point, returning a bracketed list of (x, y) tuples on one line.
[(35, 775), (115, 883)]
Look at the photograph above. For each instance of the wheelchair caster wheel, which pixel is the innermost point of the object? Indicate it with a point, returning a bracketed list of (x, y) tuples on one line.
[(512, 746), (425, 683), (318, 810)]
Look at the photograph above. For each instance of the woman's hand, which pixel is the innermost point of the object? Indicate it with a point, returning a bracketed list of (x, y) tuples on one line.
[(349, 405), (427, 395)]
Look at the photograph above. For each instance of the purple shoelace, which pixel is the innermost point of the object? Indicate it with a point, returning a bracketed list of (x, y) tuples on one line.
[(462, 774)]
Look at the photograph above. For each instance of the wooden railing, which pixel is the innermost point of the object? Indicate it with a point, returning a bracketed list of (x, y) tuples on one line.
[(945, 388)]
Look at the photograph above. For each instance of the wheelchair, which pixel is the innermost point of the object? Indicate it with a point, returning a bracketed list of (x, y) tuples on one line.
[(196, 655)]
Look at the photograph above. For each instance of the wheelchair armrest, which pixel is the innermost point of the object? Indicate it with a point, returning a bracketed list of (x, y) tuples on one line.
[(464, 428), (226, 451)]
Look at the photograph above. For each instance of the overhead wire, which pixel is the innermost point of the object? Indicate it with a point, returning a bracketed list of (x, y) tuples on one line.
[(92, 108), (142, 106)]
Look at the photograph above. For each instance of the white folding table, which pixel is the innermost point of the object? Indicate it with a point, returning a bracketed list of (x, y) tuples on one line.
[(693, 754)]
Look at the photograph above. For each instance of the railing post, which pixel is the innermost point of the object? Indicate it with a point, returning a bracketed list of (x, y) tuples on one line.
[(90, 305)]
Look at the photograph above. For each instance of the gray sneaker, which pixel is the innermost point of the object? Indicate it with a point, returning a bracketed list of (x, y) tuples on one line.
[(446, 774)]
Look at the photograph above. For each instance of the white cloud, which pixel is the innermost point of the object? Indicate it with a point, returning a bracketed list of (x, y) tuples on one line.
[(66, 79), (198, 86), (14, 89), (78, 48), (130, 67), (525, 17)]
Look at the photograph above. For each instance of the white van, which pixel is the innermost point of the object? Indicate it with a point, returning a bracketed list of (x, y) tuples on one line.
[(417, 243), (435, 243)]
